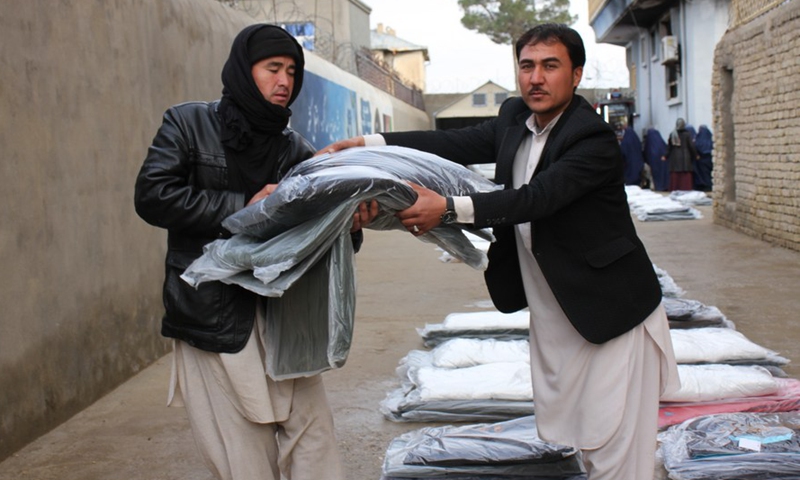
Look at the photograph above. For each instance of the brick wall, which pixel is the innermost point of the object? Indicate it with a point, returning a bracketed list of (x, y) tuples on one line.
[(757, 127)]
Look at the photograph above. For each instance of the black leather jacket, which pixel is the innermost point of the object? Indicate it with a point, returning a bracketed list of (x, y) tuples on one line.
[(183, 187)]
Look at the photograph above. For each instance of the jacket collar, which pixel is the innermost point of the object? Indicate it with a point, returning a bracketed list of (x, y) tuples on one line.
[(545, 161)]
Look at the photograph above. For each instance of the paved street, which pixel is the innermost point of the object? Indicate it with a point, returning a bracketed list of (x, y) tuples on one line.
[(131, 435)]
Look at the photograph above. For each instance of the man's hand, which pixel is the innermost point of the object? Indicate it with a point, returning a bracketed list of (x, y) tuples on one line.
[(341, 145), (365, 214), (425, 214), (263, 193)]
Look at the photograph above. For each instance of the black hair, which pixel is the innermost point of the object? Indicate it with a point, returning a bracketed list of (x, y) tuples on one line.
[(555, 32)]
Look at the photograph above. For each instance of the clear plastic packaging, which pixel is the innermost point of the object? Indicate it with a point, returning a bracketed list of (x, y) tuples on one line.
[(295, 245), (511, 448), (744, 446), (275, 238)]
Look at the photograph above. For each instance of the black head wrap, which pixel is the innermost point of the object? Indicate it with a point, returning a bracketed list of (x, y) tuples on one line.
[(251, 125)]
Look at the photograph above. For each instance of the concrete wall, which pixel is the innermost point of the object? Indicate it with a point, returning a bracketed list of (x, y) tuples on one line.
[(83, 85), (757, 128)]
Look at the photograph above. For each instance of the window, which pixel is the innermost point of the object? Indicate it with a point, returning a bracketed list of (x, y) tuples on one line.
[(672, 66), (654, 45), (630, 60), (500, 97), (673, 77), (643, 50), (478, 99)]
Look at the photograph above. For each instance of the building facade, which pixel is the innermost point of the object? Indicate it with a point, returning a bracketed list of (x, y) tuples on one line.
[(402, 56), (670, 54)]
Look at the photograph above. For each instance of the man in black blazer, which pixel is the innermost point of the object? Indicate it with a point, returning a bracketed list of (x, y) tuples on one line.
[(566, 248)]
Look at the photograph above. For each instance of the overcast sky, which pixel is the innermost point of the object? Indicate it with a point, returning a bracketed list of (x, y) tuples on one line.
[(463, 60)]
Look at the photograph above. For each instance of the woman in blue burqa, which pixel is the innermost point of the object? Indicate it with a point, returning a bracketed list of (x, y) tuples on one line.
[(632, 154), (704, 144), (655, 148)]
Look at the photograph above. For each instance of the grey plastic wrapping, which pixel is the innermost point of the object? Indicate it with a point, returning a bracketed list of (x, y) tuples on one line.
[(356, 175), (309, 337), (327, 177), (744, 446), (510, 448), (295, 245), (313, 204)]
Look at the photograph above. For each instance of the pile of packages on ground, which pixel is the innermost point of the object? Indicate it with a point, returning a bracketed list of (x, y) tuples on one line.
[(737, 415), (650, 206)]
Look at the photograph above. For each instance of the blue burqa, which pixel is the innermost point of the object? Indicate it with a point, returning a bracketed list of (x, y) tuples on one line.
[(631, 148), (704, 143), (654, 149)]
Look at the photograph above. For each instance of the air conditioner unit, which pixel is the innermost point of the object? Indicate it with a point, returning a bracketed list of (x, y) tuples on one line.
[(669, 49)]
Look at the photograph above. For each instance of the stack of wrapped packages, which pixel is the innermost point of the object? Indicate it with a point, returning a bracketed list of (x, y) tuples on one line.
[(649, 206), (476, 370)]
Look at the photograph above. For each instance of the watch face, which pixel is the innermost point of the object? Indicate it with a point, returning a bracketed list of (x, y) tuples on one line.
[(449, 216)]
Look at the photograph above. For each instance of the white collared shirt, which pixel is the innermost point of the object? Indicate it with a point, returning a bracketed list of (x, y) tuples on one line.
[(524, 167)]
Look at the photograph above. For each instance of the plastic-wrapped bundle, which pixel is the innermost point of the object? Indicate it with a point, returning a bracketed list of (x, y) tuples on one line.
[(314, 204), (683, 313), (355, 175), (690, 197), (294, 245), (269, 267), (511, 448), (720, 345), (306, 338), (490, 324), (467, 352), (669, 288), (654, 207), (703, 383), (786, 399), (739, 445), (334, 178), (487, 392)]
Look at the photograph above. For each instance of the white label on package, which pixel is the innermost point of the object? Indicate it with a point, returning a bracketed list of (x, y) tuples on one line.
[(750, 444)]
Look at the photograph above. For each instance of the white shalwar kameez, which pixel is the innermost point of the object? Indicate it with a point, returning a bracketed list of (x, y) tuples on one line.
[(247, 426), (601, 399)]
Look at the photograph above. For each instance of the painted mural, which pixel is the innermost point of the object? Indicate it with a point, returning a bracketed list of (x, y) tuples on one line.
[(325, 112)]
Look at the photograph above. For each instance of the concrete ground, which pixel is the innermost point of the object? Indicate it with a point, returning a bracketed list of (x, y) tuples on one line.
[(130, 434)]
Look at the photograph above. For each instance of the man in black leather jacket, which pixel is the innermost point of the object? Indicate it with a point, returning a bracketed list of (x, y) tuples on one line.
[(207, 161)]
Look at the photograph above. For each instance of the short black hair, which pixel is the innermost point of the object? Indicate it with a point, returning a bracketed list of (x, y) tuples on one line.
[(555, 32)]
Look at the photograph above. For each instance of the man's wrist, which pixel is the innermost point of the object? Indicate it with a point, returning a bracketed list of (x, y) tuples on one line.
[(449, 216)]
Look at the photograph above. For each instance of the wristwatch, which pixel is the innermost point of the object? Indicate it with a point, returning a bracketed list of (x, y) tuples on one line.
[(449, 215)]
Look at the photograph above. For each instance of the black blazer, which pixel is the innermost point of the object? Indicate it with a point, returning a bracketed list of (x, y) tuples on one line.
[(583, 235)]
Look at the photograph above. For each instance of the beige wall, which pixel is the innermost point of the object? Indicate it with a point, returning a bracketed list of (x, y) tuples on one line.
[(83, 85), (82, 88), (757, 128)]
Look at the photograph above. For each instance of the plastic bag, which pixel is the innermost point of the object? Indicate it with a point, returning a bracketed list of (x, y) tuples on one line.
[(507, 448), (739, 445), (313, 205)]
